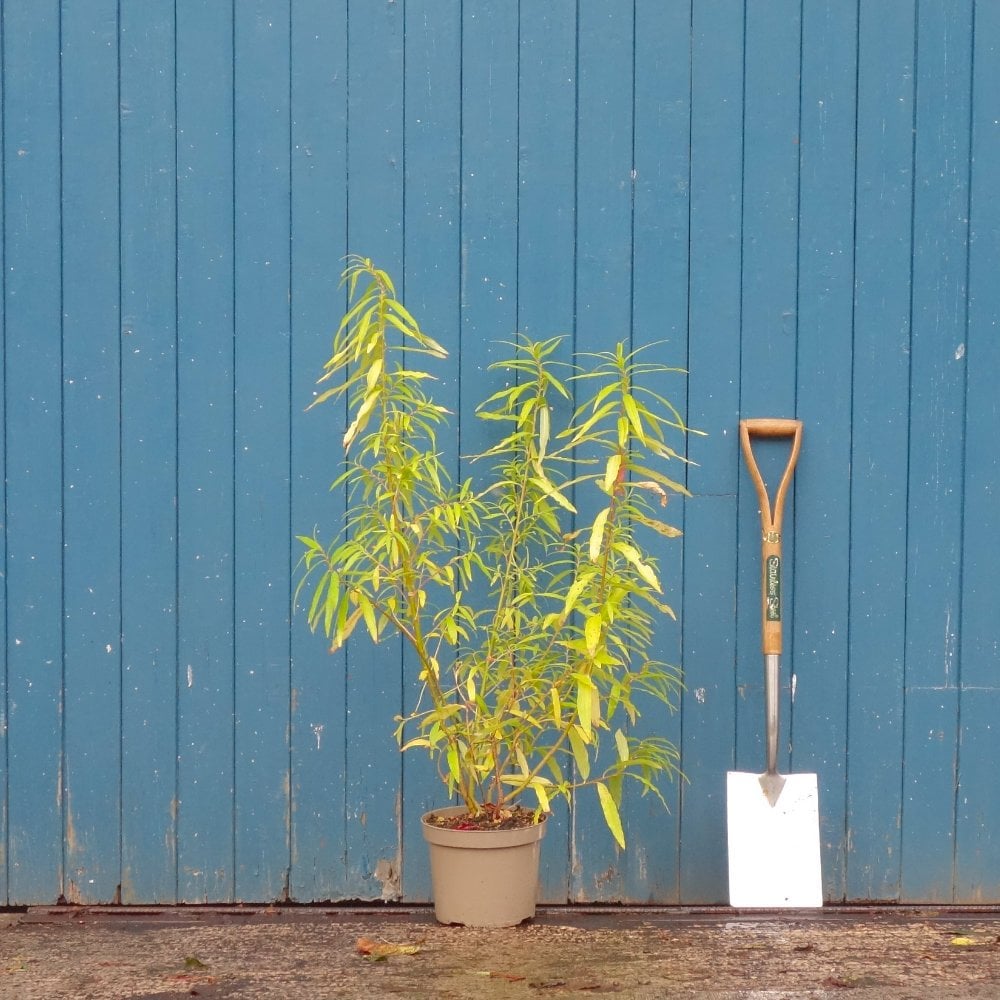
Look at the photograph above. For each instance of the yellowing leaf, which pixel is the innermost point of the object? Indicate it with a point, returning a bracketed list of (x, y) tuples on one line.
[(574, 592), (962, 941), (622, 745), (344, 631), (611, 816), (632, 412), (592, 634), (369, 615), (611, 472), (543, 431), (585, 705), (543, 799), (597, 534), (550, 491), (453, 768), (643, 569), (373, 373), (580, 754)]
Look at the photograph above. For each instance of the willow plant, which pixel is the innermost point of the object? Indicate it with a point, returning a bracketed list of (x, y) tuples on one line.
[(532, 627)]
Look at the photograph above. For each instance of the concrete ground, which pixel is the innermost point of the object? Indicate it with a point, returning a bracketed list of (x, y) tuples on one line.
[(219, 954)]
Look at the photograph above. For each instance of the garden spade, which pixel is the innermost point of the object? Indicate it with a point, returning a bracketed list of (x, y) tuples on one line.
[(773, 819)]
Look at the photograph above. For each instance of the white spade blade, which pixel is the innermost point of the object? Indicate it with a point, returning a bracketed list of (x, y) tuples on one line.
[(774, 858)]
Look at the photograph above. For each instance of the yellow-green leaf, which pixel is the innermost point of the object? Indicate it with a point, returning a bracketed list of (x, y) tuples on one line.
[(611, 472), (611, 816), (418, 741), (632, 412), (574, 592), (622, 745), (556, 707), (580, 754), (643, 569), (369, 615), (543, 799), (597, 534), (543, 431), (551, 492), (584, 706), (373, 373), (453, 769), (592, 634), (344, 631)]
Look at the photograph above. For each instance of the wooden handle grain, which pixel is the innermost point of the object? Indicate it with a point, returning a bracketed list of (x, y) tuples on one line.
[(772, 426)]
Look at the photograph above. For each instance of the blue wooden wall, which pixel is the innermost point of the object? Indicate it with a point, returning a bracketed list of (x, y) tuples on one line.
[(796, 196)]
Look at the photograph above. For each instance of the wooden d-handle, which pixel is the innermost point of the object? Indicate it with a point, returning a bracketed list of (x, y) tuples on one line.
[(770, 520)]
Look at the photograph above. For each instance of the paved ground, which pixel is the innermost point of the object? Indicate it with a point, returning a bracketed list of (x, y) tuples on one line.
[(219, 954)]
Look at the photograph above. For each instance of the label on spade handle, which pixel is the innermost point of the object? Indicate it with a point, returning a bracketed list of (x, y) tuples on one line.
[(773, 588)]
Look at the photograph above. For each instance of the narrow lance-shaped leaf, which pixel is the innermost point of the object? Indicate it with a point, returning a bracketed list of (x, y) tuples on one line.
[(597, 534), (580, 755), (611, 815), (643, 569), (592, 634), (611, 472)]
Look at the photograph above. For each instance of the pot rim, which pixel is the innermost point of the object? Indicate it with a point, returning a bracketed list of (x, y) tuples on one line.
[(480, 839)]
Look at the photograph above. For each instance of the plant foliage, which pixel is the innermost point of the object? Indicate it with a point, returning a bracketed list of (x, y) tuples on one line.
[(533, 634)]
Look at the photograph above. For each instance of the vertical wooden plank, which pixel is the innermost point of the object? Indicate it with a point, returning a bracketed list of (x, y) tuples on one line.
[(319, 243), (930, 770), (149, 453), (33, 426), (4, 742), (91, 491), (977, 845), (769, 325), (660, 214), (489, 291), (826, 297), (205, 338), (546, 219), (603, 305), (432, 250), (709, 627), (978, 823), (937, 404), (262, 515), (375, 229), (883, 195)]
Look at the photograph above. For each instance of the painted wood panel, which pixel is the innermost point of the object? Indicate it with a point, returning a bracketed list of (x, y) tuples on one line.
[(206, 459), (33, 422), (147, 169), (793, 197), (262, 374), (91, 496), (883, 193), (319, 236)]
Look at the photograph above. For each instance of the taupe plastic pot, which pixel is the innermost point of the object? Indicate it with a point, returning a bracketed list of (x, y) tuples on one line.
[(483, 878)]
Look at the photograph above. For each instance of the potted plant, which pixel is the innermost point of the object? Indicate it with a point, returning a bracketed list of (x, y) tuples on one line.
[(531, 626)]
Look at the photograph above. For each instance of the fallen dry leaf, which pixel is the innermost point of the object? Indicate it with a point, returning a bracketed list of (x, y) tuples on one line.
[(380, 951)]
